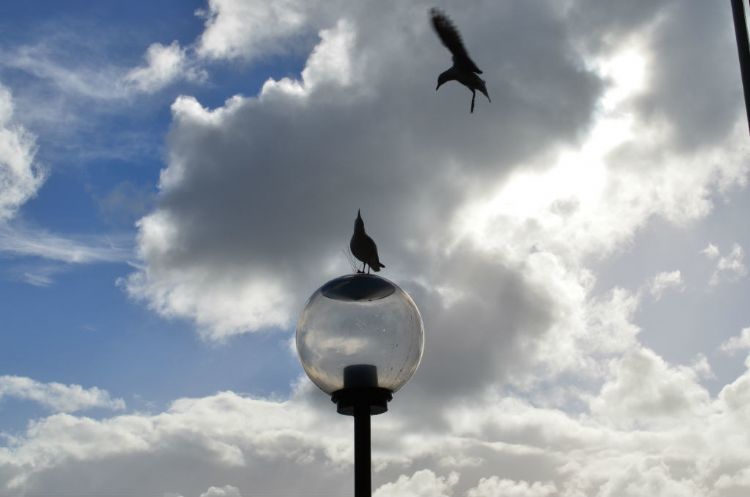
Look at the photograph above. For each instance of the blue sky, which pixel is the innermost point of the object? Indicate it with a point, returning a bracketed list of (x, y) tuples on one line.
[(176, 178), (80, 327)]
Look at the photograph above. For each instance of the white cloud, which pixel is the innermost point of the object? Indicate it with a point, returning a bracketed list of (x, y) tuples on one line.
[(423, 483), (732, 485), (249, 28), (74, 81), (39, 278), (175, 294), (735, 397), (503, 211), (20, 175), (506, 225), (41, 275), (331, 62), (164, 65), (529, 367), (730, 267), (711, 251), (225, 491), (494, 487), (22, 241), (736, 343), (664, 281), (245, 440), (286, 447), (643, 390), (345, 78), (56, 396), (80, 77), (20, 179)]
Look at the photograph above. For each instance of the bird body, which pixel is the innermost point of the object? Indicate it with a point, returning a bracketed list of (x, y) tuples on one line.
[(363, 247), (464, 70)]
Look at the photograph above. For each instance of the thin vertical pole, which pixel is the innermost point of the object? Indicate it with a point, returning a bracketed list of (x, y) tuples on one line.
[(743, 48), (362, 473)]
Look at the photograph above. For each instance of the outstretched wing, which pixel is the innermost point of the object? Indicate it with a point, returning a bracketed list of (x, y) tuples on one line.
[(451, 38)]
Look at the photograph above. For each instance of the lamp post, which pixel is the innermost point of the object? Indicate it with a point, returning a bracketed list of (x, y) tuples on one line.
[(360, 338), (743, 50)]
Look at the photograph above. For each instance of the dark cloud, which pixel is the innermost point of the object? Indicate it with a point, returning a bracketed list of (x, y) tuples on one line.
[(269, 186), (695, 85), (258, 200)]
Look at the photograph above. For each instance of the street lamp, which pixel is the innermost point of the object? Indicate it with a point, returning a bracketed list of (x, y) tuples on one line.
[(360, 338)]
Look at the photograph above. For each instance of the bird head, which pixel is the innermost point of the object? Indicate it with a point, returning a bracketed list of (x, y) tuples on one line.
[(359, 224), (443, 78)]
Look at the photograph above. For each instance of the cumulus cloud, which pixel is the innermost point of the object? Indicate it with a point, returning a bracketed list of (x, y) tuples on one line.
[(301, 445), (404, 179), (730, 267), (56, 396), (494, 486), (437, 186), (492, 222), (491, 219), (664, 281), (737, 343), (249, 28), (224, 436), (423, 483), (225, 491), (164, 65), (644, 390), (711, 251), (331, 61), (20, 175)]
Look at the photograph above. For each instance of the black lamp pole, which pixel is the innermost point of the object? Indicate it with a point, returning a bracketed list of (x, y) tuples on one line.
[(361, 398), (743, 48), (362, 452)]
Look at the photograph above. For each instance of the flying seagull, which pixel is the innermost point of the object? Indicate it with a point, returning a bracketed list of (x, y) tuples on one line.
[(464, 70), (363, 247)]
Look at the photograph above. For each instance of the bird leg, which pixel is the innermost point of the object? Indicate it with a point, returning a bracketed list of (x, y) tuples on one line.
[(363, 268), (473, 96)]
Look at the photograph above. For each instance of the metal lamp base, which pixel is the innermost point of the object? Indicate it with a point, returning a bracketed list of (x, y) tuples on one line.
[(361, 398), (372, 400)]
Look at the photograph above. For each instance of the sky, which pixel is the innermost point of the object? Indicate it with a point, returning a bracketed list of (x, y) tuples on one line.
[(178, 177)]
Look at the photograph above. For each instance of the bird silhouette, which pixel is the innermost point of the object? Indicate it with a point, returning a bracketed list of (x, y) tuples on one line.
[(464, 70), (363, 247)]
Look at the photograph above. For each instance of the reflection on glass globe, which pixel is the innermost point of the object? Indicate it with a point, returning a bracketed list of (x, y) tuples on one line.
[(360, 330)]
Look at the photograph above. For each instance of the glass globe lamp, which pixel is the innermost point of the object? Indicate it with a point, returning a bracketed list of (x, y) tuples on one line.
[(360, 332), (360, 338)]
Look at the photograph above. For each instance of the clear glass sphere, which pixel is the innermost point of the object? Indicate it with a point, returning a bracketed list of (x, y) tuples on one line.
[(360, 330)]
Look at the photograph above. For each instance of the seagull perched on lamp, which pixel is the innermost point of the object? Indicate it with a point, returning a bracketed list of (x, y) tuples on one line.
[(363, 247), (464, 70)]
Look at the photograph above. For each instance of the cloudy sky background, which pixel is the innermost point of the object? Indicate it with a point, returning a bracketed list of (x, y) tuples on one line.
[(176, 178)]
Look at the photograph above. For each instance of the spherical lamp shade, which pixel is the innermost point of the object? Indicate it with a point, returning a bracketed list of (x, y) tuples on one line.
[(360, 330)]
